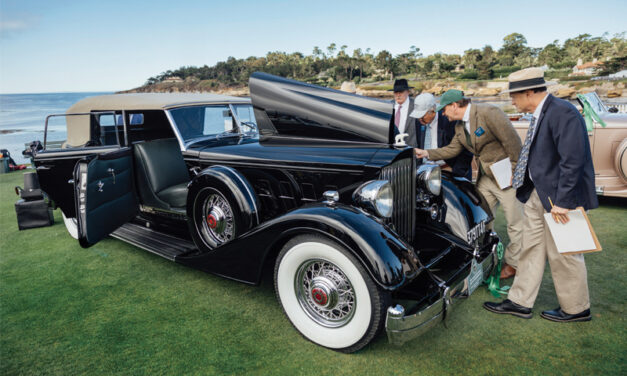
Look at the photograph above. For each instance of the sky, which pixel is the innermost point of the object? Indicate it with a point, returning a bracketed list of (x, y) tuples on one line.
[(85, 45)]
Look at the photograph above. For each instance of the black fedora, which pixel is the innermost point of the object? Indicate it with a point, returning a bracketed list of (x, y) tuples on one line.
[(400, 85)]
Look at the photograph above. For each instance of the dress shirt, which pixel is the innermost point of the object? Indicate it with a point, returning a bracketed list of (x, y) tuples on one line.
[(433, 132), (538, 112), (404, 111), (466, 118)]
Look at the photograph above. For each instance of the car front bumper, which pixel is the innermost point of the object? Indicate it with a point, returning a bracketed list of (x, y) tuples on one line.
[(401, 328)]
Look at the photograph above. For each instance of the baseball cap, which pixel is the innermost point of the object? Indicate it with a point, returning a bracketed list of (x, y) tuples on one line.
[(423, 103), (449, 97)]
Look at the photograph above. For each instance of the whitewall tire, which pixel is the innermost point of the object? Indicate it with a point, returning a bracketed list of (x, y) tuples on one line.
[(327, 294), (71, 226)]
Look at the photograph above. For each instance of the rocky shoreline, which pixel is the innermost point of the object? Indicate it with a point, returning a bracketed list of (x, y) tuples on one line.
[(475, 89)]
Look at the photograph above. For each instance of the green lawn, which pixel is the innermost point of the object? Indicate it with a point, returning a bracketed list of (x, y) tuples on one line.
[(115, 309)]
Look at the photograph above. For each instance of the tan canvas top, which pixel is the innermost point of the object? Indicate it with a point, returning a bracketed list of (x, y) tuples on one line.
[(149, 101), (78, 125)]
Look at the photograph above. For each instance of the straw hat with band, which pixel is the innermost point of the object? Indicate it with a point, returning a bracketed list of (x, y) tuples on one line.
[(526, 79)]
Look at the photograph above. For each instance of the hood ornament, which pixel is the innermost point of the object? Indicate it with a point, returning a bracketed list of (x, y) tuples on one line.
[(399, 140)]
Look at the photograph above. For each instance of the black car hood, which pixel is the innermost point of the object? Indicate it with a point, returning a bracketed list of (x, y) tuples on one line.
[(291, 108)]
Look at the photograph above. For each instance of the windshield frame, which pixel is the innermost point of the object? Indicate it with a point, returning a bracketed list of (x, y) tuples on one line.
[(184, 144)]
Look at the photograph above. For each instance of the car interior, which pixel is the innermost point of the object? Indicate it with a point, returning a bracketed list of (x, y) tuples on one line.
[(161, 174)]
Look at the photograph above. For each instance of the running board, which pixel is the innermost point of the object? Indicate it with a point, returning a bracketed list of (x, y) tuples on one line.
[(156, 242)]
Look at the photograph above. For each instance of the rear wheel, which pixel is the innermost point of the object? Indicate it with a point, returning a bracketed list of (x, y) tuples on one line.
[(216, 218), (327, 294)]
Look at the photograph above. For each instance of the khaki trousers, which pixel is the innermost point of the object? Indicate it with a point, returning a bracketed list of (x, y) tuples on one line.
[(568, 271), (513, 214)]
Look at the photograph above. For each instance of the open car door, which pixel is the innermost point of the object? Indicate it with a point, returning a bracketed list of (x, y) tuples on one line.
[(104, 192)]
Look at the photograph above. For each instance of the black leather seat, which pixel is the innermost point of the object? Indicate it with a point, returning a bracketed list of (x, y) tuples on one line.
[(162, 175)]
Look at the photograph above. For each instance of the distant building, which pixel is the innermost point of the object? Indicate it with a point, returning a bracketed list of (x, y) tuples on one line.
[(173, 79), (586, 69)]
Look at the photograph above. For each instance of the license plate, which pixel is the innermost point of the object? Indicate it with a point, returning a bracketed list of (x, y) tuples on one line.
[(475, 277)]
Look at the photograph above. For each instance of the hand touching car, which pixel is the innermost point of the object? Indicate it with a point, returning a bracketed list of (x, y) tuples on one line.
[(421, 153)]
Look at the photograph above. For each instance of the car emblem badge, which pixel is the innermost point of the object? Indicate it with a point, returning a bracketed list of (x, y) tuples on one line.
[(100, 185)]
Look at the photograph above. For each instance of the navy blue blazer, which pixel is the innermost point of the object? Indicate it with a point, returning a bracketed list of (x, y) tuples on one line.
[(560, 161), (446, 130)]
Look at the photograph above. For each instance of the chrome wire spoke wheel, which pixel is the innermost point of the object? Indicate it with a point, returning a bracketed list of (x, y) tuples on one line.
[(325, 293), (218, 222)]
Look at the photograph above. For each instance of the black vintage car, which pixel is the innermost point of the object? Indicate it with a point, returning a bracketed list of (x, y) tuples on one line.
[(304, 178)]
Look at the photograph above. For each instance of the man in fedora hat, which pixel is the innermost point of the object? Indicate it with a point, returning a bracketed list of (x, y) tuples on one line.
[(554, 174), (434, 130), (485, 131), (401, 122)]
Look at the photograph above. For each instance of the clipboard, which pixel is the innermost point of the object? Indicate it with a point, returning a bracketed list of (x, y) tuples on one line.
[(576, 236), (502, 171)]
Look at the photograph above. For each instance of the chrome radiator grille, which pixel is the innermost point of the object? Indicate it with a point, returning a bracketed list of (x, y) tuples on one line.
[(402, 177)]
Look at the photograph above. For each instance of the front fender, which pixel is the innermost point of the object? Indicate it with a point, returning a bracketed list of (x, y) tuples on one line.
[(390, 261)]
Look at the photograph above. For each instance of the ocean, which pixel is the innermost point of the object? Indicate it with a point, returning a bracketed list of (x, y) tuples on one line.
[(22, 118)]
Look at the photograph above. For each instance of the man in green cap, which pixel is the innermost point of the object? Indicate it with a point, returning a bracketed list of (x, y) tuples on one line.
[(485, 131)]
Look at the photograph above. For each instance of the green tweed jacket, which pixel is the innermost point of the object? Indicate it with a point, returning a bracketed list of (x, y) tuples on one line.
[(492, 138)]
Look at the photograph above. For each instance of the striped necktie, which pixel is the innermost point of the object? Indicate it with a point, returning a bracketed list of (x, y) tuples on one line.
[(521, 167), (397, 118)]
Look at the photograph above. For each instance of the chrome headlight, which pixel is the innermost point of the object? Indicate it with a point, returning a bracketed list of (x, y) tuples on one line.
[(376, 196), (430, 178)]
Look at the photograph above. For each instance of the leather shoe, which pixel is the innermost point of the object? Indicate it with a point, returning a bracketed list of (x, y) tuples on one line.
[(508, 271), (509, 307), (560, 316)]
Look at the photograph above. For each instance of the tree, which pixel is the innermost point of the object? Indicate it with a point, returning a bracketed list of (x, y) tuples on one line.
[(471, 58), (514, 46), (331, 50), (385, 61), (415, 52), (551, 54)]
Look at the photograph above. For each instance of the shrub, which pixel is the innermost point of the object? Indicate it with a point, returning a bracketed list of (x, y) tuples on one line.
[(556, 73), (503, 71), (470, 74)]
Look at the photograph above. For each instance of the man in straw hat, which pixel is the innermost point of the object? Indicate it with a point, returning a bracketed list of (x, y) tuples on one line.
[(485, 131), (554, 174)]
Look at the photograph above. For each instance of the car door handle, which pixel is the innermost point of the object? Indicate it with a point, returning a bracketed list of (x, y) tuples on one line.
[(42, 168), (112, 172)]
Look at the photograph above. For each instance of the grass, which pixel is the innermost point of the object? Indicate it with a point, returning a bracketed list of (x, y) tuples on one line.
[(115, 309)]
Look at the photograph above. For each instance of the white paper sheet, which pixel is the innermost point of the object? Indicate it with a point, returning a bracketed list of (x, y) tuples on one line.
[(573, 236), (502, 171)]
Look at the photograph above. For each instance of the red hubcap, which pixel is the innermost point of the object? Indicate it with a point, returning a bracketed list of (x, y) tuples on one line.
[(211, 221), (319, 296)]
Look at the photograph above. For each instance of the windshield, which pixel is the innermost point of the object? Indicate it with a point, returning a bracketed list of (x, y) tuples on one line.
[(201, 121), (595, 102)]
